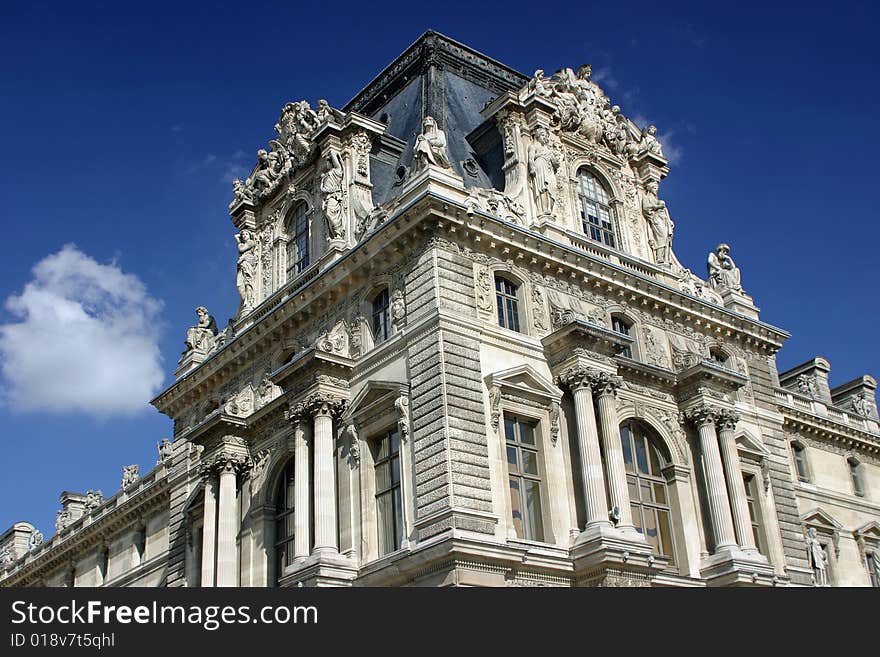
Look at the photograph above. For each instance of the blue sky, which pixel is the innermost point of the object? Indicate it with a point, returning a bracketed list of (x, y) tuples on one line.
[(121, 127)]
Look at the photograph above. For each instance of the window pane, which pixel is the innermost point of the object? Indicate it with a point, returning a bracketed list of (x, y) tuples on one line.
[(641, 455), (652, 534), (665, 533), (395, 442), (625, 441), (637, 517), (383, 479), (533, 506), (526, 433), (654, 455), (509, 429), (382, 449), (516, 507), (530, 462), (398, 519), (633, 489), (660, 493), (385, 523), (395, 471)]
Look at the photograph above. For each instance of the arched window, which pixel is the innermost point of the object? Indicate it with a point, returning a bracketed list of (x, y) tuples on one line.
[(298, 255), (649, 499), (284, 521), (508, 303), (800, 461), (381, 317), (620, 324), (719, 356), (595, 211), (855, 473)]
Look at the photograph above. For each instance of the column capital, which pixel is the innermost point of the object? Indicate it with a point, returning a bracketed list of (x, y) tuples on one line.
[(226, 461), (703, 414), (580, 376), (727, 419), (315, 405)]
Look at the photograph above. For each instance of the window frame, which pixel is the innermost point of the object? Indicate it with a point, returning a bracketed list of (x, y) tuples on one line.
[(380, 319), (397, 503), (541, 478), (608, 235), (799, 460), (299, 235), (288, 515), (755, 505), (617, 317), (505, 299), (637, 504)]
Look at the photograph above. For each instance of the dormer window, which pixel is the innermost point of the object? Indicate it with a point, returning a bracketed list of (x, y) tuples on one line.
[(596, 215)]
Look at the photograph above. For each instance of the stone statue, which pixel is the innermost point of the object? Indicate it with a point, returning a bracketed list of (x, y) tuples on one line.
[(7, 557), (543, 163), (817, 558), (398, 310), (650, 143), (165, 448), (94, 499), (201, 336), (723, 272), (430, 146), (324, 112), (130, 475), (270, 167), (239, 192), (655, 213), (62, 519), (537, 84), (862, 405), (247, 267), (332, 188)]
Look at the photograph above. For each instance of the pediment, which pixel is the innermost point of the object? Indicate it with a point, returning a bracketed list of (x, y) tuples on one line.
[(869, 531), (524, 379), (376, 392), (750, 443), (821, 520)]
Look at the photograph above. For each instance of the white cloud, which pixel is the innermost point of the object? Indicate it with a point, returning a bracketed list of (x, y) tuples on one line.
[(86, 339), (605, 78)]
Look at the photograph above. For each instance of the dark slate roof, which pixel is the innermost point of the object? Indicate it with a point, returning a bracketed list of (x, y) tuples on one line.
[(443, 78)]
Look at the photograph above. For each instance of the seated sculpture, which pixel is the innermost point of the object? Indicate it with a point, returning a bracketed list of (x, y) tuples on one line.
[(430, 146), (723, 272), (201, 336)]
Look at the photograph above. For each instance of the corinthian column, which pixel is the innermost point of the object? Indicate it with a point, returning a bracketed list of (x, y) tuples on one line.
[(324, 409), (209, 520), (301, 538), (577, 379), (227, 526), (735, 485), (605, 388), (719, 504)]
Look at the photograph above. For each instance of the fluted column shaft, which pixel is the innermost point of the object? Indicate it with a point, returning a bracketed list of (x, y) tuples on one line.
[(301, 538), (719, 504), (209, 529), (595, 502), (227, 528), (325, 483), (606, 388), (735, 485)]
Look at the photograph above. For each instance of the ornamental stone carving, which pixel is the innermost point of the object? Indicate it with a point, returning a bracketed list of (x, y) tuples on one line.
[(554, 422), (247, 268), (333, 191), (334, 341), (316, 404), (723, 272), (7, 557), (398, 310), (401, 405), (430, 147), (862, 405), (649, 142), (237, 462), (539, 314), (35, 539), (727, 419), (600, 381), (703, 415), (660, 225), (201, 336), (354, 445), (130, 475), (496, 204), (484, 289), (495, 406)]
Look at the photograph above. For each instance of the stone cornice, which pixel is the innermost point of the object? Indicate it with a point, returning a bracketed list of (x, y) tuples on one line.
[(823, 428), (423, 207)]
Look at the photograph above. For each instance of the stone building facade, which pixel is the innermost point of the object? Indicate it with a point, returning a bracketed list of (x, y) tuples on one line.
[(466, 354)]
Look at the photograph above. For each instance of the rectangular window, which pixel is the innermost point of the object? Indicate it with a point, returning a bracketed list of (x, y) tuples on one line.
[(800, 462), (508, 308), (389, 509), (754, 513), (381, 323), (524, 477), (301, 239), (873, 567)]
